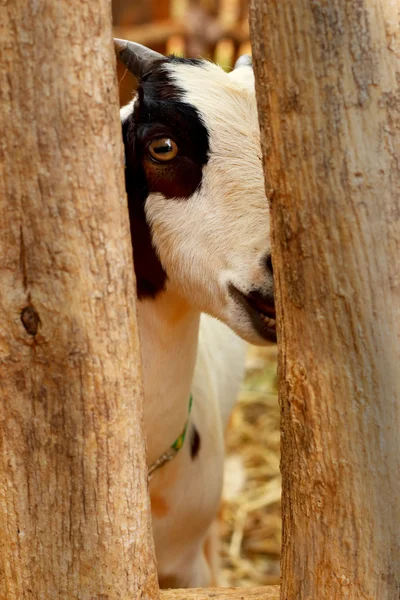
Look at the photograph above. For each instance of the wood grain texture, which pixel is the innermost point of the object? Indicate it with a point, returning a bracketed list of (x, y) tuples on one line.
[(256, 593), (74, 511), (328, 78)]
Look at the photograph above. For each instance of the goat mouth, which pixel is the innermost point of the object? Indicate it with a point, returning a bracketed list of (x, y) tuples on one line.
[(260, 309)]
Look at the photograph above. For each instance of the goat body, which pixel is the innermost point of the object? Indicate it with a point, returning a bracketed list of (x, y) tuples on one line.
[(203, 358)]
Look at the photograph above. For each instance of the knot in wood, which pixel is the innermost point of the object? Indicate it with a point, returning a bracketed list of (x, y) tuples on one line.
[(30, 320)]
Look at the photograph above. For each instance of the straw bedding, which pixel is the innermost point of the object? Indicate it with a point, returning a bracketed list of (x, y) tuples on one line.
[(251, 520)]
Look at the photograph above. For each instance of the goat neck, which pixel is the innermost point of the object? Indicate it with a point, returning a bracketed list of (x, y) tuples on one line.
[(168, 329)]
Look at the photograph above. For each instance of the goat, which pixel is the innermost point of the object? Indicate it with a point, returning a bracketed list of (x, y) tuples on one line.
[(200, 233)]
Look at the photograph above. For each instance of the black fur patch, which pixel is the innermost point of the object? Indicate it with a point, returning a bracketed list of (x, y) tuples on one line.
[(160, 112), (195, 442)]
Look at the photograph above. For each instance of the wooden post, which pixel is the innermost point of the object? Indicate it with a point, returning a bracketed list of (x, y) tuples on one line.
[(74, 511), (328, 92)]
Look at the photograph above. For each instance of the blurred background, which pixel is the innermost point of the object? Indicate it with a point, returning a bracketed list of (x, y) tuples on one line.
[(250, 513), (216, 29)]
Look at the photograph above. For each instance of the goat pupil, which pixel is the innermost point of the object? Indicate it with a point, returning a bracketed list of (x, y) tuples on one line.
[(164, 148)]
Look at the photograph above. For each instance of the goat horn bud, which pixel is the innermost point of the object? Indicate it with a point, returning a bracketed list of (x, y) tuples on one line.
[(138, 59)]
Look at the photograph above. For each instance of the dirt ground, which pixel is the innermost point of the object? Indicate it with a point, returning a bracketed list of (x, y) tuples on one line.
[(251, 520)]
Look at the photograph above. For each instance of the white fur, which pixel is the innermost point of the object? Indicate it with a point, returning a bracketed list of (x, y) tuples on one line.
[(219, 235)]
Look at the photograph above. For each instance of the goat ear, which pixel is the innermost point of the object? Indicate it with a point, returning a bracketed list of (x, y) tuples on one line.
[(243, 61), (138, 59)]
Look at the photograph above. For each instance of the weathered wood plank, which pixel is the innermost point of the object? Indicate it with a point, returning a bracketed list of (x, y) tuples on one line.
[(74, 509), (257, 593), (327, 77)]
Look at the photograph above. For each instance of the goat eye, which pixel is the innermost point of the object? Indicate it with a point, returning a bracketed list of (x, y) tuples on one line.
[(163, 149)]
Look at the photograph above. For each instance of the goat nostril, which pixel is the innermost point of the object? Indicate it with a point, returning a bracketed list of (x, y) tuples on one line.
[(268, 264)]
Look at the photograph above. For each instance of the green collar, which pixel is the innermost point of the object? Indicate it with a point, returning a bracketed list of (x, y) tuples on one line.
[(178, 443), (174, 449)]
